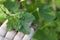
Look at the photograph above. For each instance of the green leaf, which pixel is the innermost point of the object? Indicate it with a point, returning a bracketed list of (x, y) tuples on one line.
[(46, 12), (11, 5), (45, 24), (58, 16), (58, 26), (58, 3), (2, 15), (25, 28), (20, 21), (44, 35), (58, 21)]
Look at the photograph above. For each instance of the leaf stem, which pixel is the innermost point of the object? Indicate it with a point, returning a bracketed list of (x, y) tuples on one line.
[(8, 14)]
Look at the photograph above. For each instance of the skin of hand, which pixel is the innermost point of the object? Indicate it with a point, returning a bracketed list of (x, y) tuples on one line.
[(13, 35)]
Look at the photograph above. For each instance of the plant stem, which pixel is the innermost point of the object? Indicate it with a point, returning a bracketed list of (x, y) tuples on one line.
[(8, 14), (54, 5)]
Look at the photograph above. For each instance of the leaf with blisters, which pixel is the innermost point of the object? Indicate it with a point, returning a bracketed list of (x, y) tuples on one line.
[(20, 21)]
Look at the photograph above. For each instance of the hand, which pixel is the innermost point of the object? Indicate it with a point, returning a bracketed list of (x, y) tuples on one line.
[(13, 35)]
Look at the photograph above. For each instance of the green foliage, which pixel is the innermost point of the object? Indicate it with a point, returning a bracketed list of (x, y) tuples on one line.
[(46, 12), (2, 15), (39, 12), (2, 1), (17, 19), (45, 34), (11, 5), (58, 3), (20, 21)]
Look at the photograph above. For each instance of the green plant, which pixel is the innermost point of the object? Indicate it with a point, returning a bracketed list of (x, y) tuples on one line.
[(43, 13)]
